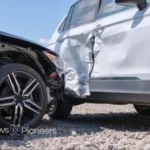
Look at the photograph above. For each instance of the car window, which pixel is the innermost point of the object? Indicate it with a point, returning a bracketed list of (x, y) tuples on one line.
[(109, 7), (84, 12), (62, 25), (67, 22)]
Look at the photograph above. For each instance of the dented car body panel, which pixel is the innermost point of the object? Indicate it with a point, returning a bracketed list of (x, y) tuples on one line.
[(108, 54)]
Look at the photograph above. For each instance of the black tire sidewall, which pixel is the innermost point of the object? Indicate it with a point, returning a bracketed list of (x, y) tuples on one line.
[(144, 112), (63, 109)]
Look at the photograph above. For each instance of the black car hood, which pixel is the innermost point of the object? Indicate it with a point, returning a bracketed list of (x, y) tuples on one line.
[(16, 40)]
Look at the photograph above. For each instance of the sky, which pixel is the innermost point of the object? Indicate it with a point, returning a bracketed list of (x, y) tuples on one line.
[(35, 20)]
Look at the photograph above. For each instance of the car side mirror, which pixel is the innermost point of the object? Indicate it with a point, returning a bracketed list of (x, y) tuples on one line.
[(140, 4)]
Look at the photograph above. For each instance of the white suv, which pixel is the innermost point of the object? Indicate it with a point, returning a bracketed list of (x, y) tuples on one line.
[(105, 49)]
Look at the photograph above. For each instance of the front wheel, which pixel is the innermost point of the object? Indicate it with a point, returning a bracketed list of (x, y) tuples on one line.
[(143, 110), (60, 107), (23, 97)]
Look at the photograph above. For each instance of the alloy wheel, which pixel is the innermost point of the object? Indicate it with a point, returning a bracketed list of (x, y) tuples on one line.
[(20, 98)]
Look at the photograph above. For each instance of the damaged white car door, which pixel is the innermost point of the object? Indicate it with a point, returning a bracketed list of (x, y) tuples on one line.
[(73, 41), (122, 48)]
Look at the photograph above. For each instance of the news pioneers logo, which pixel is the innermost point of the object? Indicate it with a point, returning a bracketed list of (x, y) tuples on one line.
[(15, 130)]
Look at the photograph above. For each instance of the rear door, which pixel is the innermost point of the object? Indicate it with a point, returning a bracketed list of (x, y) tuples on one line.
[(73, 43), (122, 49)]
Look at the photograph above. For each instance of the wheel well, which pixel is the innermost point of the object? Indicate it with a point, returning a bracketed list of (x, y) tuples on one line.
[(26, 59)]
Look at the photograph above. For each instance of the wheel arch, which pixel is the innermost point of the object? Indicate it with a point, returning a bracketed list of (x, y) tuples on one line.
[(31, 58)]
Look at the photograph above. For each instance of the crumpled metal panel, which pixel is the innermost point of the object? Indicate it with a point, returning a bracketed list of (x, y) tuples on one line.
[(75, 68)]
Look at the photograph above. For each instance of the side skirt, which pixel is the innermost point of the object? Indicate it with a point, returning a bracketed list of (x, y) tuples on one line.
[(119, 98), (120, 91)]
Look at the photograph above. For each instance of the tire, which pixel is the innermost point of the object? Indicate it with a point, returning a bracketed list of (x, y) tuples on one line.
[(142, 110), (29, 102), (63, 108)]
